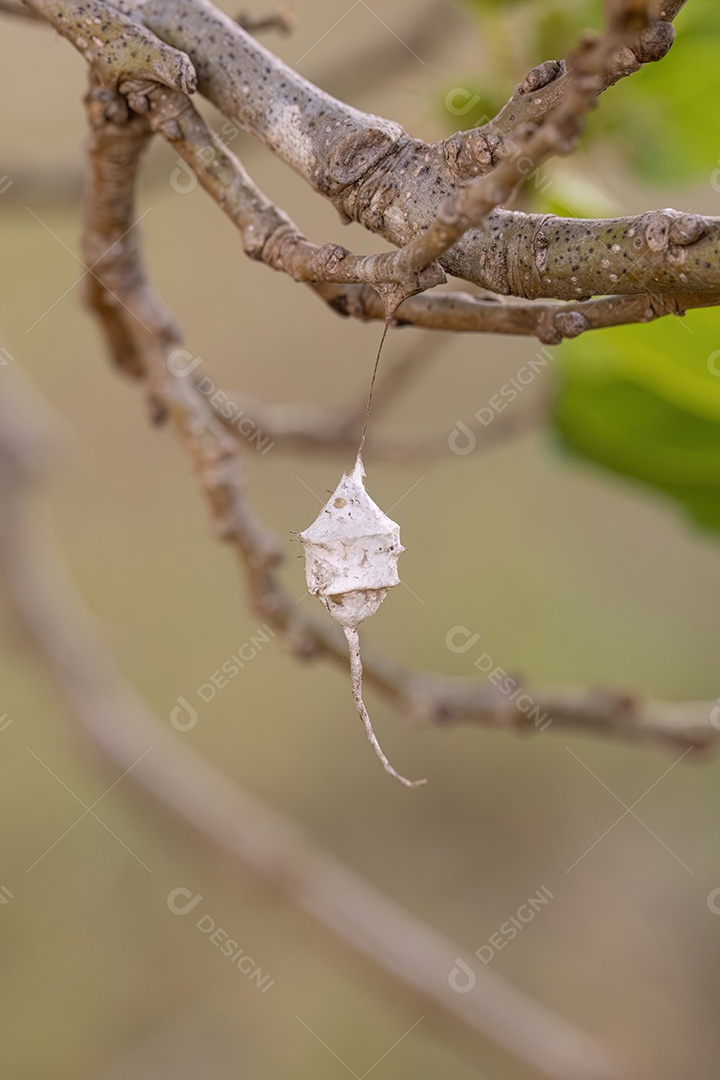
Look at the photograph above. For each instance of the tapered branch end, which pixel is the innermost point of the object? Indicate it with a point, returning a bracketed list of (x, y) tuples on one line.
[(356, 671)]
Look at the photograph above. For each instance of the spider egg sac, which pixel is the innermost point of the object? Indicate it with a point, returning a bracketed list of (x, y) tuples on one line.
[(351, 552)]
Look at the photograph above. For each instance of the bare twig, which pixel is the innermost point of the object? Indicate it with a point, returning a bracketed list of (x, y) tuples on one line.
[(476, 151), (550, 323), (309, 428), (268, 233), (556, 133), (7, 7), (282, 19), (256, 838), (215, 455)]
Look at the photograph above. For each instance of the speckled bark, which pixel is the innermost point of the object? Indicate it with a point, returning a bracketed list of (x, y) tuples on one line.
[(117, 47), (376, 174)]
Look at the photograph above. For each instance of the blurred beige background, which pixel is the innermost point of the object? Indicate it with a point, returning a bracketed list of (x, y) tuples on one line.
[(570, 576)]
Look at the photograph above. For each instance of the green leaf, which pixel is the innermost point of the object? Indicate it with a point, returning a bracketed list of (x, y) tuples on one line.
[(567, 192), (644, 402), (666, 115)]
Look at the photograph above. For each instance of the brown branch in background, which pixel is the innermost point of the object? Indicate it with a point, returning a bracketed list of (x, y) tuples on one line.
[(306, 427), (282, 19), (257, 839), (141, 335), (7, 7), (216, 457)]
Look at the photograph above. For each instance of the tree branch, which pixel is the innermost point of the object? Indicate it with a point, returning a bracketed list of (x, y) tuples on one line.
[(267, 233), (282, 20), (550, 323), (392, 184), (7, 7), (254, 837), (476, 151), (116, 47), (142, 334), (592, 63), (270, 236), (146, 331), (375, 173)]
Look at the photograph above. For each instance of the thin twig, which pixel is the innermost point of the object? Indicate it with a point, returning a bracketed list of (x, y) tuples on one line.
[(282, 19), (7, 7), (475, 151), (356, 674), (551, 323), (257, 839), (216, 457), (556, 133)]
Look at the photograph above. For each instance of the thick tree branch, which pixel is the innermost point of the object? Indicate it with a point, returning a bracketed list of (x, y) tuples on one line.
[(558, 133), (216, 456), (142, 334), (375, 173), (116, 47), (393, 184), (269, 235)]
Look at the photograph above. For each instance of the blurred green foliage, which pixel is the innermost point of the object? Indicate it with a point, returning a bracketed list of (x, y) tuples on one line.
[(645, 402), (642, 401)]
